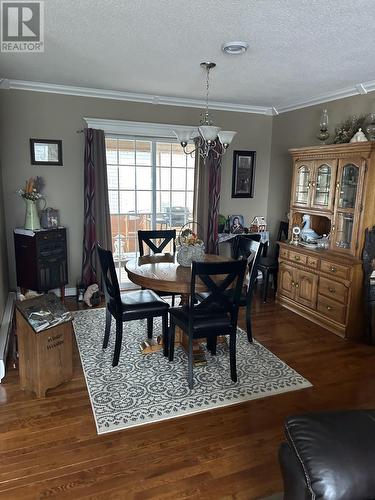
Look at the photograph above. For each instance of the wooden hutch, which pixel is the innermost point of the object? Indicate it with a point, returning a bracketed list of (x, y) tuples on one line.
[(335, 185)]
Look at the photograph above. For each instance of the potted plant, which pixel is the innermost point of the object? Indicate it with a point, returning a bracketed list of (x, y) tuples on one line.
[(221, 221)]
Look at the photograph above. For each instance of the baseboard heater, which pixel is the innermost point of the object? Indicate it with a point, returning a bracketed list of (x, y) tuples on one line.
[(5, 330)]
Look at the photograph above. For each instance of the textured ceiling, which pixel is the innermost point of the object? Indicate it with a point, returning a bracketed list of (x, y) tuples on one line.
[(298, 48)]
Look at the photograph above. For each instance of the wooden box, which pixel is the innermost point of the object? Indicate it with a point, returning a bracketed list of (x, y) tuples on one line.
[(45, 358)]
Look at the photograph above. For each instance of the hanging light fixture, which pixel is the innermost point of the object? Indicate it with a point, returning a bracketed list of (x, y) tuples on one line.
[(210, 137)]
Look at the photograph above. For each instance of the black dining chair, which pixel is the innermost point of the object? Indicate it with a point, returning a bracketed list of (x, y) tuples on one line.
[(149, 238), (269, 266), (141, 304), (250, 250), (215, 315)]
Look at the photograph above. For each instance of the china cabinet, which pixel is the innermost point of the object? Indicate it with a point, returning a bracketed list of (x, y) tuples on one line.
[(333, 184)]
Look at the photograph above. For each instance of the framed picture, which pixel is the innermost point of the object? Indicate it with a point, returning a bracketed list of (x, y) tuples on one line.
[(243, 174), (46, 152), (236, 224)]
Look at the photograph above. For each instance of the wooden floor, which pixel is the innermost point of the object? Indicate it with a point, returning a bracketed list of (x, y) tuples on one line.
[(49, 448)]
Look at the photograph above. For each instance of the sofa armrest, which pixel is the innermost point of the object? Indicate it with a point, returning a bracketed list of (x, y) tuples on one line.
[(295, 487), (336, 451)]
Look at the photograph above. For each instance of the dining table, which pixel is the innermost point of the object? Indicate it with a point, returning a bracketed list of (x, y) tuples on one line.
[(162, 272)]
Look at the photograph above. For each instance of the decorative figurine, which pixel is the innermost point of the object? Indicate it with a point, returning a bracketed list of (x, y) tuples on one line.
[(308, 234), (359, 137), (91, 290)]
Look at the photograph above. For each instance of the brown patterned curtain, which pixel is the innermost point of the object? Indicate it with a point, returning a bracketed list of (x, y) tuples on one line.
[(207, 184), (97, 222)]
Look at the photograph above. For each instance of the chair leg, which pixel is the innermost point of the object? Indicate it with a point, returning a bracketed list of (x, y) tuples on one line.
[(190, 363), (108, 319), (275, 281), (119, 327), (172, 331), (266, 278), (248, 324), (232, 355), (164, 320), (173, 296), (150, 322)]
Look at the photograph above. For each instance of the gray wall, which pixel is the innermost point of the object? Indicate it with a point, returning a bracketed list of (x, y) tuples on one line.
[(3, 255), (297, 129), (51, 116)]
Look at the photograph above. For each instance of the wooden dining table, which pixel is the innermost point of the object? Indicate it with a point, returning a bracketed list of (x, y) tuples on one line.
[(163, 272)]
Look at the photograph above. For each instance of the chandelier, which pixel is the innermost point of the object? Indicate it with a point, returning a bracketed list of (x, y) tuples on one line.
[(210, 138)]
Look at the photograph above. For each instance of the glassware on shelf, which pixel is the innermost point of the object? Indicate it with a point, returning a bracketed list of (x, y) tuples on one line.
[(348, 186), (303, 185), (323, 184), (344, 229)]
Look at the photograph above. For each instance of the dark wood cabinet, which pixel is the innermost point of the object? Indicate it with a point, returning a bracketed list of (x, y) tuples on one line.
[(41, 259)]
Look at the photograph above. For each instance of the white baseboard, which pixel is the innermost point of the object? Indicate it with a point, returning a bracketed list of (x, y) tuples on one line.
[(5, 330)]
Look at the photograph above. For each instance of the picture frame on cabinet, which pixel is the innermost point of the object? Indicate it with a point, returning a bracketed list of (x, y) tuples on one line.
[(243, 175)]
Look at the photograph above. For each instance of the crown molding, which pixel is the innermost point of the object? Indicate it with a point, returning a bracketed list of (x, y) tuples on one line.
[(358, 89), (143, 129), (120, 95)]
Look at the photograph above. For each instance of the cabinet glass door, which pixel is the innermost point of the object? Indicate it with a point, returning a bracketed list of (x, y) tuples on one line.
[(302, 185), (323, 186), (348, 186), (344, 230)]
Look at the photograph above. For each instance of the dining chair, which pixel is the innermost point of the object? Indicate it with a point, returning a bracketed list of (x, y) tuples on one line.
[(215, 315), (269, 266), (250, 250), (164, 236), (129, 306)]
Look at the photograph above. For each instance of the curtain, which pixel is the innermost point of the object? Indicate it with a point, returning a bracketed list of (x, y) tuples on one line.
[(97, 222), (207, 183), (213, 164)]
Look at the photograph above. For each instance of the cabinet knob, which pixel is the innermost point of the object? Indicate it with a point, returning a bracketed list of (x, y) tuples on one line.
[(313, 184), (293, 284), (297, 285), (329, 308), (297, 257), (332, 290), (333, 269)]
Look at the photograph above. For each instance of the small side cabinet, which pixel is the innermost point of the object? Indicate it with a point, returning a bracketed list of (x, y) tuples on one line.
[(41, 259)]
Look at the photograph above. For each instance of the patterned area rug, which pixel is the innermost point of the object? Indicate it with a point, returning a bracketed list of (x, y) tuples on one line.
[(148, 388)]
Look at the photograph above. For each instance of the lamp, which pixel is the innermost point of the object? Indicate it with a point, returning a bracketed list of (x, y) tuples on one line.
[(210, 138)]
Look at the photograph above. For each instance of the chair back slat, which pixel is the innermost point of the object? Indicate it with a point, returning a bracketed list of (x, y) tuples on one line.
[(146, 237), (218, 278), (251, 251), (110, 281)]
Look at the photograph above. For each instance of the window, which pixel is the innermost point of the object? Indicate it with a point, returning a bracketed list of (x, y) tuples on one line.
[(150, 186)]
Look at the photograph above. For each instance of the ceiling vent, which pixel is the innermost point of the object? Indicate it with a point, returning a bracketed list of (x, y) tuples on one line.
[(235, 48)]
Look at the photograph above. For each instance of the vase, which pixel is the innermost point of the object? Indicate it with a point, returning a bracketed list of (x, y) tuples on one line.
[(186, 254), (31, 216)]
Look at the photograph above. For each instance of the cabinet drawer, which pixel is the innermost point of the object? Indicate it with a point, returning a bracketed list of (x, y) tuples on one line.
[(284, 253), (334, 269), (312, 262), (300, 258), (333, 290), (332, 309)]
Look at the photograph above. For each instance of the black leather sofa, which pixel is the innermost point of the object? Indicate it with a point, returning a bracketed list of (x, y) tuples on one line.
[(329, 456)]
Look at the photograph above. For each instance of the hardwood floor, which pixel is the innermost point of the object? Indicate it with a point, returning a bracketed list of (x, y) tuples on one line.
[(49, 448)]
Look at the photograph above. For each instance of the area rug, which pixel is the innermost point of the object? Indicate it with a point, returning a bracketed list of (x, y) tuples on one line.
[(148, 388)]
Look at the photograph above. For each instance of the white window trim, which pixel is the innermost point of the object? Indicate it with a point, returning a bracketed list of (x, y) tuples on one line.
[(142, 129)]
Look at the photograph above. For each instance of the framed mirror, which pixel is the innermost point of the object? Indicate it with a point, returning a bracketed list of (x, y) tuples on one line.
[(46, 152)]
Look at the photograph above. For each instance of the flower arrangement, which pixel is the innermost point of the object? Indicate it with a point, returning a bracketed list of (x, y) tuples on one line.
[(32, 190), (188, 237), (191, 247)]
